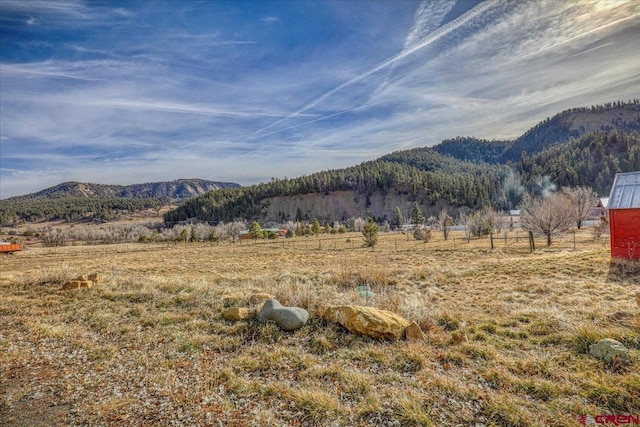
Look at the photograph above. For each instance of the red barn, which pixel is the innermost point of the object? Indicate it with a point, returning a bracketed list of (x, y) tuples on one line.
[(624, 216)]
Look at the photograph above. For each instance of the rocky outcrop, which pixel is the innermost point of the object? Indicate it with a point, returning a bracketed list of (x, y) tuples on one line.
[(287, 318), (368, 321), (608, 350), (83, 281)]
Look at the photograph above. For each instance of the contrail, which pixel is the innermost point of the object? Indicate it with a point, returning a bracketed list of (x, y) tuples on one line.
[(586, 33), (436, 35)]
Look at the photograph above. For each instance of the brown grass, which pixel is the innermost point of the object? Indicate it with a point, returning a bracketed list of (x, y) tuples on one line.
[(148, 346)]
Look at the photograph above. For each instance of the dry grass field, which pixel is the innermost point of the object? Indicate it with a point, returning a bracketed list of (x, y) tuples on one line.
[(148, 346)]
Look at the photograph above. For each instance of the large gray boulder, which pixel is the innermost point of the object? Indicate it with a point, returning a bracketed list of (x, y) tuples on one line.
[(287, 318)]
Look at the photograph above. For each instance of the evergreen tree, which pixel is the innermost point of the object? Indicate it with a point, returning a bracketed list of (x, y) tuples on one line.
[(193, 237), (398, 218), (255, 230), (417, 217), (316, 228), (370, 233)]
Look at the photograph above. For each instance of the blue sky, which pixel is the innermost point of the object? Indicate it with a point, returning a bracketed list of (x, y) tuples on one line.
[(139, 91)]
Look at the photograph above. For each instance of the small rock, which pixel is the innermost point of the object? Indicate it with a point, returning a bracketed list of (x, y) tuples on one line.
[(287, 318), (237, 313), (638, 298), (608, 349), (76, 284), (368, 321), (83, 281), (459, 338), (414, 333)]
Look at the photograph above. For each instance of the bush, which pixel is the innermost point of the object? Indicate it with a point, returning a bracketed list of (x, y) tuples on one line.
[(422, 234)]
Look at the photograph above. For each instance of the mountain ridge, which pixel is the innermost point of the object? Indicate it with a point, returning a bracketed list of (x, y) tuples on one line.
[(176, 190), (561, 127)]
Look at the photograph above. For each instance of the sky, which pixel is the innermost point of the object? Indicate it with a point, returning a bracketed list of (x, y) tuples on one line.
[(123, 92)]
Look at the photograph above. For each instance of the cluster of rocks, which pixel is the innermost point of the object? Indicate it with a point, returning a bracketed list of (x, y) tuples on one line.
[(83, 281), (363, 320)]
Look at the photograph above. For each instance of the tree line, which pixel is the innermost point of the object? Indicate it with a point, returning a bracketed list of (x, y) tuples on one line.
[(72, 208)]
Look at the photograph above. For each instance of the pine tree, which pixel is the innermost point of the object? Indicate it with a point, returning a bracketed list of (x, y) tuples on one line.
[(370, 233), (417, 217), (398, 218), (315, 227), (255, 230)]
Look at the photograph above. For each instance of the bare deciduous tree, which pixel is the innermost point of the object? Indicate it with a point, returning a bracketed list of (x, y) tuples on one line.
[(548, 216), (445, 222), (483, 223), (582, 199)]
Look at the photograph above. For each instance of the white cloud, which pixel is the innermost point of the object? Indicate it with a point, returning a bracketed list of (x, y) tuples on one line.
[(232, 105)]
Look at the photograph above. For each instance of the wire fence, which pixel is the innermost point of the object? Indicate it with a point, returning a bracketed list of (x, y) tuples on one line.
[(513, 241)]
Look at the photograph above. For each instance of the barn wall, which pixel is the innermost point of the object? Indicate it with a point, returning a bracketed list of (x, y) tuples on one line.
[(624, 226)]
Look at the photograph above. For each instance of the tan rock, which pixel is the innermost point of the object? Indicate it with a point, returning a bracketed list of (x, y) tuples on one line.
[(368, 321), (459, 338), (638, 298), (260, 298), (237, 313), (414, 333), (76, 284)]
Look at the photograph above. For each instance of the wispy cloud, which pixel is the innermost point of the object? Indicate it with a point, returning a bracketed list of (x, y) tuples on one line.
[(99, 93), (412, 48)]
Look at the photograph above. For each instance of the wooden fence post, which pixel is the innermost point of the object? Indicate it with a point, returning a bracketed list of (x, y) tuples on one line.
[(532, 243)]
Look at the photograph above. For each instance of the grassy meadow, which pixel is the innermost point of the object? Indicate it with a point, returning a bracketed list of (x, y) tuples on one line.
[(507, 331)]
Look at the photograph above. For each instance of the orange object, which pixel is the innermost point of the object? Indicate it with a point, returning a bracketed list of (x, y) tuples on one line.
[(12, 247)]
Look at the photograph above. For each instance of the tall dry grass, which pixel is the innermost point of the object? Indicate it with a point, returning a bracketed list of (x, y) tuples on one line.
[(148, 345)]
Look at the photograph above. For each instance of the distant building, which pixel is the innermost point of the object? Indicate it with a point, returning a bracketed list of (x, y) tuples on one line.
[(624, 216), (514, 212), (599, 211)]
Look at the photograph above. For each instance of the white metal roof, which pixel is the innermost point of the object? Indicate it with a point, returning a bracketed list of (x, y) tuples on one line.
[(625, 192)]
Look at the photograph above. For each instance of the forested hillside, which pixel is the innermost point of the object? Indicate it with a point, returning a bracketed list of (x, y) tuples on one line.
[(572, 123), (591, 161), (175, 190), (76, 200), (472, 186), (72, 208), (424, 176), (473, 149)]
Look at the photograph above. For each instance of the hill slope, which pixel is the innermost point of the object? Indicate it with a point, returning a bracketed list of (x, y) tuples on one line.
[(572, 123), (177, 190), (84, 201), (420, 175)]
